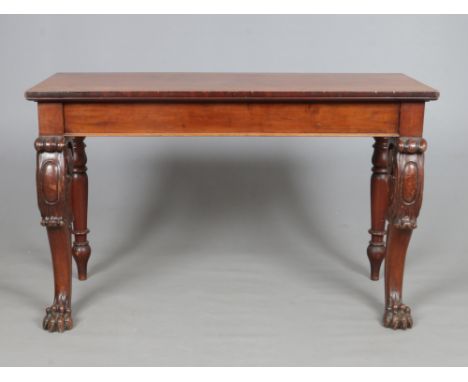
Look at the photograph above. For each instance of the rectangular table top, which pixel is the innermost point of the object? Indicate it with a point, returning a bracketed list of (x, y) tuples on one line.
[(68, 87)]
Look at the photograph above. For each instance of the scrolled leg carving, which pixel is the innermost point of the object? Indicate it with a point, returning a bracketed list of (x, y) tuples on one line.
[(407, 182), (406, 191), (81, 248), (53, 178), (379, 203)]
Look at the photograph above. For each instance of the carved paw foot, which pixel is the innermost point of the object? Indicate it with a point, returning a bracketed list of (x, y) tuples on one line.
[(398, 316), (58, 318)]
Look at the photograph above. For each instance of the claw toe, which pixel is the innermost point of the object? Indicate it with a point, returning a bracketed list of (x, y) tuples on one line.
[(398, 317), (58, 318)]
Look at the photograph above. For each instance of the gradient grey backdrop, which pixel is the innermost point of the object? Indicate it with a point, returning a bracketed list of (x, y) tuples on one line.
[(234, 251)]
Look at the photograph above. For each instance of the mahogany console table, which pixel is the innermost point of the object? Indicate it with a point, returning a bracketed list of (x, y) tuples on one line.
[(387, 107)]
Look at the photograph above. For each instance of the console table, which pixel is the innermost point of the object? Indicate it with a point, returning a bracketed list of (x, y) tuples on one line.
[(387, 107)]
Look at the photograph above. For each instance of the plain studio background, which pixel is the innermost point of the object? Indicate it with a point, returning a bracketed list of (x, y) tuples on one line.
[(234, 251)]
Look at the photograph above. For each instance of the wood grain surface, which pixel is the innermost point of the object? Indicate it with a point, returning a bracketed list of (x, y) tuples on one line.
[(229, 86), (229, 119)]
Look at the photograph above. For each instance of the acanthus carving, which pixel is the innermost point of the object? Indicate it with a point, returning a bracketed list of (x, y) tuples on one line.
[(406, 181), (53, 180)]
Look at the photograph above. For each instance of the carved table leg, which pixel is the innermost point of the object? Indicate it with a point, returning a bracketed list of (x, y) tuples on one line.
[(406, 190), (53, 179), (379, 203), (81, 248)]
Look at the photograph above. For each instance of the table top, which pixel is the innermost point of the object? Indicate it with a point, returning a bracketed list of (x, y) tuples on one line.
[(229, 87)]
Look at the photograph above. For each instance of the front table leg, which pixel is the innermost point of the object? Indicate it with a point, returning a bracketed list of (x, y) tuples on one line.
[(406, 190), (53, 178)]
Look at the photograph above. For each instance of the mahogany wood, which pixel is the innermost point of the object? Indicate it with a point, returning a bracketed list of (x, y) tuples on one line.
[(51, 119), (53, 192), (387, 107), (229, 86), (397, 315), (81, 248), (411, 119), (379, 203), (406, 190), (232, 119)]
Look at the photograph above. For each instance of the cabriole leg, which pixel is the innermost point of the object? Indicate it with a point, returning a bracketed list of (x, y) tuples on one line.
[(406, 191), (81, 248), (379, 204), (53, 178)]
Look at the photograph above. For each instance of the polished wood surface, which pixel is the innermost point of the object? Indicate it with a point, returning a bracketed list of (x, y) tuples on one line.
[(53, 179), (387, 107), (406, 167), (229, 86), (359, 118), (51, 119), (379, 201), (79, 200)]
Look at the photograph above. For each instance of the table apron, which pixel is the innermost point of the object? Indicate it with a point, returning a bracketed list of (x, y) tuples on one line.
[(232, 119)]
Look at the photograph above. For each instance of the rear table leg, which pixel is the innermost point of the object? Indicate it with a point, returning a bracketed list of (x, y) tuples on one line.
[(81, 248), (379, 204)]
